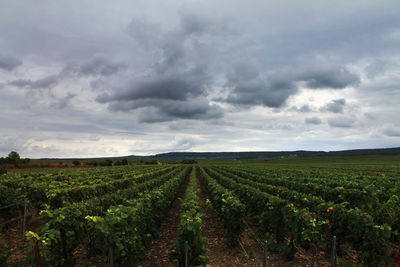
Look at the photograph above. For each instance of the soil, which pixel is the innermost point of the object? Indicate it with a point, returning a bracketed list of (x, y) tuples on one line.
[(248, 253), (11, 238), (159, 252), (220, 253)]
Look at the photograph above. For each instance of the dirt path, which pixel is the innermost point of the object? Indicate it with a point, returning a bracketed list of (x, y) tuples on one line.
[(12, 240), (219, 252), (159, 251)]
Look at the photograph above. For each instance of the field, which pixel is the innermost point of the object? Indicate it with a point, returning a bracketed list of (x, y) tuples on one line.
[(143, 214)]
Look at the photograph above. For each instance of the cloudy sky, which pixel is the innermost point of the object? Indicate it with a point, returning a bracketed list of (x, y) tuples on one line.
[(106, 78)]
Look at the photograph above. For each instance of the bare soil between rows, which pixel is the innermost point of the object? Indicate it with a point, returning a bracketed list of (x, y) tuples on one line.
[(160, 249)]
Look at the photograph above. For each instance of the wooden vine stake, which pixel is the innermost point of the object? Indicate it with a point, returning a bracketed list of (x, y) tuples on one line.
[(398, 257), (265, 263), (110, 252), (24, 223), (186, 254), (333, 252), (37, 253)]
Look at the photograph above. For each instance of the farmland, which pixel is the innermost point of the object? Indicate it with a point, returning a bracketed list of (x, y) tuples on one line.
[(89, 215)]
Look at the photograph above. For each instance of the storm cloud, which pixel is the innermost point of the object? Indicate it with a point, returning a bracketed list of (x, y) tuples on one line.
[(249, 87), (176, 86), (334, 77)]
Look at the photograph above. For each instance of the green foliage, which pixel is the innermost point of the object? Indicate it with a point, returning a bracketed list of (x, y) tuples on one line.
[(13, 157), (190, 226), (148, 162), (11, 201), (307, 219), (126, 219), (121, 162), (295, 205), (3, 170), (129, 228), (188, 161), (227, 205)]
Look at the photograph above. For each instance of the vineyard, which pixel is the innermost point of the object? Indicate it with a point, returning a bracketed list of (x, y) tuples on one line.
[(116, 215)]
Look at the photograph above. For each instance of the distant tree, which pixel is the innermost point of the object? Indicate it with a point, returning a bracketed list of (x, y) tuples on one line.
[(121, 162), (150, 161), (2, 170), (92, 163), (189, 161), (76, 162), (13, 157)]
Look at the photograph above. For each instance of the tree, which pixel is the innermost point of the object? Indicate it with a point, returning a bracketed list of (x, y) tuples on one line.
[(13, 157), (76, 162)]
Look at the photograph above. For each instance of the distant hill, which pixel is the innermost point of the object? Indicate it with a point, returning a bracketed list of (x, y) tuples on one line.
[(255, 155), (278, 154)]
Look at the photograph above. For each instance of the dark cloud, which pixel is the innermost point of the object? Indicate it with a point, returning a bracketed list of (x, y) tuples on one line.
[(100, 66), (97, 66), (20, 83), (176, 95), (44, 83), (341, 122), (157, 110), (176, 86), (96, 84), (9, 63), (248, 87), (313, 120), (333, 78), (391, 131), (63, 102), (335, 106)]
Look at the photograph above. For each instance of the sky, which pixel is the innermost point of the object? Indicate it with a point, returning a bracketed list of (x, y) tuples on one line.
[(95, 78)]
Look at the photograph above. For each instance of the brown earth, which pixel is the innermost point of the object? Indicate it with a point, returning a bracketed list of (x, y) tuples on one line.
[(161, 247), (14, 241), (248, 253)]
